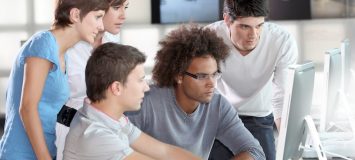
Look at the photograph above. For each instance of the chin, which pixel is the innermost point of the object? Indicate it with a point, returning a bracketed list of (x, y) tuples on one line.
[(206, 100), (91, 41), (114, 31), (136, 108)]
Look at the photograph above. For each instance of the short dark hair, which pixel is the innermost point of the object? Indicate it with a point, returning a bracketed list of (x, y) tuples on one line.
[(108, 63), (179, 48), (115, 2), (62, 11), (245, 8)]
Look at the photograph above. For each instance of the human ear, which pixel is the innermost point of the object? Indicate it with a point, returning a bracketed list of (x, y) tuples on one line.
[(116, 88), (75, 15), (178, 79), (227, 19)]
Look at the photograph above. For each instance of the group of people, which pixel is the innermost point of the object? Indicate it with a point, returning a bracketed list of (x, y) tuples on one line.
[(75, 93)]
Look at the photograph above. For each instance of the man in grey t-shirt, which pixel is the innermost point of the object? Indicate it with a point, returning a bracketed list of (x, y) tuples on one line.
[(114, 77), (183, 108)]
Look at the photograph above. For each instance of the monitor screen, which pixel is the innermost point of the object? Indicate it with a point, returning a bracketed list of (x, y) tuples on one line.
[(180, 11), (297, 105), (289, 10), (332, 75)]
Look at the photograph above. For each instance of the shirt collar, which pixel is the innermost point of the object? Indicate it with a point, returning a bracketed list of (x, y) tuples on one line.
[(95, 115), (108, 37)]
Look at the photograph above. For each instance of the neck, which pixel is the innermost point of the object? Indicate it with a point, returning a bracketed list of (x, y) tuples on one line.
[(66, 38), (188, 105), (243, 52), (110, 108)]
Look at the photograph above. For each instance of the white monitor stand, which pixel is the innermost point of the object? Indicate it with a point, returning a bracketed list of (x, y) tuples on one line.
[(316, 145), (333, 144)]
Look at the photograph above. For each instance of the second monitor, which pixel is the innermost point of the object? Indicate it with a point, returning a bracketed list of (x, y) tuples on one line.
[(297, 105)]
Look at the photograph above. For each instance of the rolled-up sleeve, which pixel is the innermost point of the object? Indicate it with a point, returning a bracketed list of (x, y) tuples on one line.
[(233, 134)]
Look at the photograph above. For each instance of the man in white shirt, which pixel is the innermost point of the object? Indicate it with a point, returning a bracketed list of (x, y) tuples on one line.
[(115, 83), (254, 74)]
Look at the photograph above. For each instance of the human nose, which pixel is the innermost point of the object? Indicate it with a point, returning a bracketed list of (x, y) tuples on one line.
[(211, 80), (100, 26), (122, 13), (253, 32)]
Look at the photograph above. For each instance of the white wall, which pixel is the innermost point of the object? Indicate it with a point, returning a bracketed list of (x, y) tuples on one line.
[(138, 12), (313, 36)]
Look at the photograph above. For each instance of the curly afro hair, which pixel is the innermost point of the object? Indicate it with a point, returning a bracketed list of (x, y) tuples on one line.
[(180, 46)]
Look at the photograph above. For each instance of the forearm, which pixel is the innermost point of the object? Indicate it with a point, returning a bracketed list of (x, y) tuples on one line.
[(176, 153), (33, 128), (159, 150), (251, 154), (243, 156)]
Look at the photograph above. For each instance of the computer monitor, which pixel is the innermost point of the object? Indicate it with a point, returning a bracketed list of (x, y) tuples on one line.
[(297, 105), (289, 10), (333, 79), (346, 65), (182, 11)]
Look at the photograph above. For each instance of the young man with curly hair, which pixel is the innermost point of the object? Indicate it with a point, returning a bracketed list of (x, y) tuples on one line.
[(114, 77), (182, 108), (255, 73)]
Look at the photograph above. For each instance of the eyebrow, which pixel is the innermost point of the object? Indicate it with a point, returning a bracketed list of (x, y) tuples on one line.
[(208, 73), (250, 25), (261, 24)]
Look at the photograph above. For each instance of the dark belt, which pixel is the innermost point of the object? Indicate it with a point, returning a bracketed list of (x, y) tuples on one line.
[(66, 115)]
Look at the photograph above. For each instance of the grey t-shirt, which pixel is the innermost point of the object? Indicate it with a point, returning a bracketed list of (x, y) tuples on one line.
[(94, 135), (162, 118)]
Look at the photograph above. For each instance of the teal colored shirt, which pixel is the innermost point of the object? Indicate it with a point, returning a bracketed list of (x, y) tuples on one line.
[(15, 143)]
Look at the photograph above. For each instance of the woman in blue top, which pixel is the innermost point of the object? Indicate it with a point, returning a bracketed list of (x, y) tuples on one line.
[(38, 85)]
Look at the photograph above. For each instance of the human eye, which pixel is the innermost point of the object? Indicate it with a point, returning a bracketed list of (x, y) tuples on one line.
[(143, 78), (216, 74), (259, 26), (116, 7), (242, 26), (99, 15), (201, 76)]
